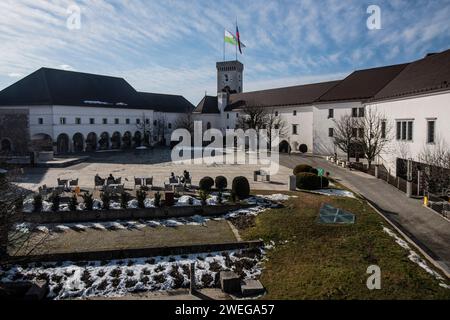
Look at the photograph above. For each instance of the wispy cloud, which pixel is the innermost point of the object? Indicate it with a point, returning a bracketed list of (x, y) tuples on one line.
[(172, 46)]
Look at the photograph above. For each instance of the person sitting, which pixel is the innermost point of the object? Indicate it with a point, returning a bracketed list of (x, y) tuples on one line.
[(110, 180)]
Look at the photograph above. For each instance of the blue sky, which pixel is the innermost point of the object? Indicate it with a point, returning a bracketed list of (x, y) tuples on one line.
[(171, 46)]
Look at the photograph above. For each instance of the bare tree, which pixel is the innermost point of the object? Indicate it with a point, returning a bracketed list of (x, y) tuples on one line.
[(185, 121), (272, 121), (343, 135), (375, 134), (254, 117), (145, 126), (436, 173)]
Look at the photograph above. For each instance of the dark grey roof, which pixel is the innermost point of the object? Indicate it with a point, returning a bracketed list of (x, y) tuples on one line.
[(362, 84), (297, 95), (208, 105), (165, 102), (59, 87), (430, 74)]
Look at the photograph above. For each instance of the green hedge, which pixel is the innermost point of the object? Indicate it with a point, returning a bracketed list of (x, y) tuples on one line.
[(241, 188), (311, 181), (206, 183), (221, 183), (302, 168)]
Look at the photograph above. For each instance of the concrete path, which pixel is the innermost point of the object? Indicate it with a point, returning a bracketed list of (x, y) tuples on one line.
[(428, 230)]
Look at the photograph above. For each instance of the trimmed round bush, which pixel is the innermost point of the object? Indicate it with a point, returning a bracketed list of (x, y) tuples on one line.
[(303, 148), (241, 188), (221, 183), (206, 183), (315, 171), (308, 181), (302, 168)]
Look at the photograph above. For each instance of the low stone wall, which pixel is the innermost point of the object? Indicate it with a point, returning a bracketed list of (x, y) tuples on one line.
[(128, 214), (139, 253)]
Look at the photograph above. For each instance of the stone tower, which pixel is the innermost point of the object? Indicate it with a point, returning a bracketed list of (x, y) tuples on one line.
[(230, 76)]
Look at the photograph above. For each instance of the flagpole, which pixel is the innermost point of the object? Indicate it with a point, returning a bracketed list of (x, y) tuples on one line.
[(224, 44), (236, 46)]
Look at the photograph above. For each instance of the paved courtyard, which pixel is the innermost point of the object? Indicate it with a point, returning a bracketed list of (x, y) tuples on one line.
[(152, 163)]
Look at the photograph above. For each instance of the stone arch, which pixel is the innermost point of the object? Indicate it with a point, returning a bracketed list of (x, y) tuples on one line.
[(41, 142), (91, 142), (126, 140), (137, 139), (104, 141), (63, 143), (284, 147), (78, 142), (6, 145), (116, 140)]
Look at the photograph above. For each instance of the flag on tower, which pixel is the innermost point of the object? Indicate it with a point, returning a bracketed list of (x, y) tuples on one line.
[(238, 39), (230, 38)]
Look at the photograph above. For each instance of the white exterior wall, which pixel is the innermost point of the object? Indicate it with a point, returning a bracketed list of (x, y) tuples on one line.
[(322, 143), (418, 109)]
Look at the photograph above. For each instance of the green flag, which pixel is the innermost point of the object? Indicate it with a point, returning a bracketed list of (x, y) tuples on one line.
[(230, 38)]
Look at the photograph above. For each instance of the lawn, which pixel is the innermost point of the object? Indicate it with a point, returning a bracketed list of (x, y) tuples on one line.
[(312, 261)]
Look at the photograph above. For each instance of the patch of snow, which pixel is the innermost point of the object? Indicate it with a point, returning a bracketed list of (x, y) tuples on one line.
[(42, 229), (96, 102), (149, 203), (335, 193), (276, 197), (184, 201), (114, 205), (133, 204), (28, 206), (414, 257), (97, 205)]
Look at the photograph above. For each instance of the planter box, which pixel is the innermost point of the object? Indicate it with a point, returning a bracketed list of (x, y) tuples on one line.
[(128, 214)]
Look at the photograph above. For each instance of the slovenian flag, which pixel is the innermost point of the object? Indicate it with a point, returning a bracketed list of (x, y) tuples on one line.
[(238, 39)]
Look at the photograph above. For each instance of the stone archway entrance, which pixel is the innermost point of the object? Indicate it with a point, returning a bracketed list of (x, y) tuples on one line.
[(284, 147), (78, 142), (126, 140), (116, 140), (104, 141), (91, 142), (137, 139), (62, 143), (42, 142), (6, 145)]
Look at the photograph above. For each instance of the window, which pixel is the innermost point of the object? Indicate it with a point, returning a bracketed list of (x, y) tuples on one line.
[(331, 132), (355, 112), (138, 121), (41, 120), (105, 121), (360, 132), (169, 126), (92, 121), (228, 116), (294, 129), (147, 121), (127, 121), (276, 113), (116, 121), (330, 113), (237, 115), (77, 120), (361, 113), (155, 123), (383, 129), (354, 132), (62, 120), (295, 113), (431, 129), (405, 130), (208, 126)]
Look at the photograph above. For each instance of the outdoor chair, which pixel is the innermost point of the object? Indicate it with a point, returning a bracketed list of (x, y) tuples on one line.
[(173, 180), (99, 183), (118, 181), (149, 182), (137, 182), (73, 183), (62, 183), (168, 187)]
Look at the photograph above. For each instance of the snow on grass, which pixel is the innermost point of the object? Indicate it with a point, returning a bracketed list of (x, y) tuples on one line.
[(335, 193), (414, 257), (119, 277)]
